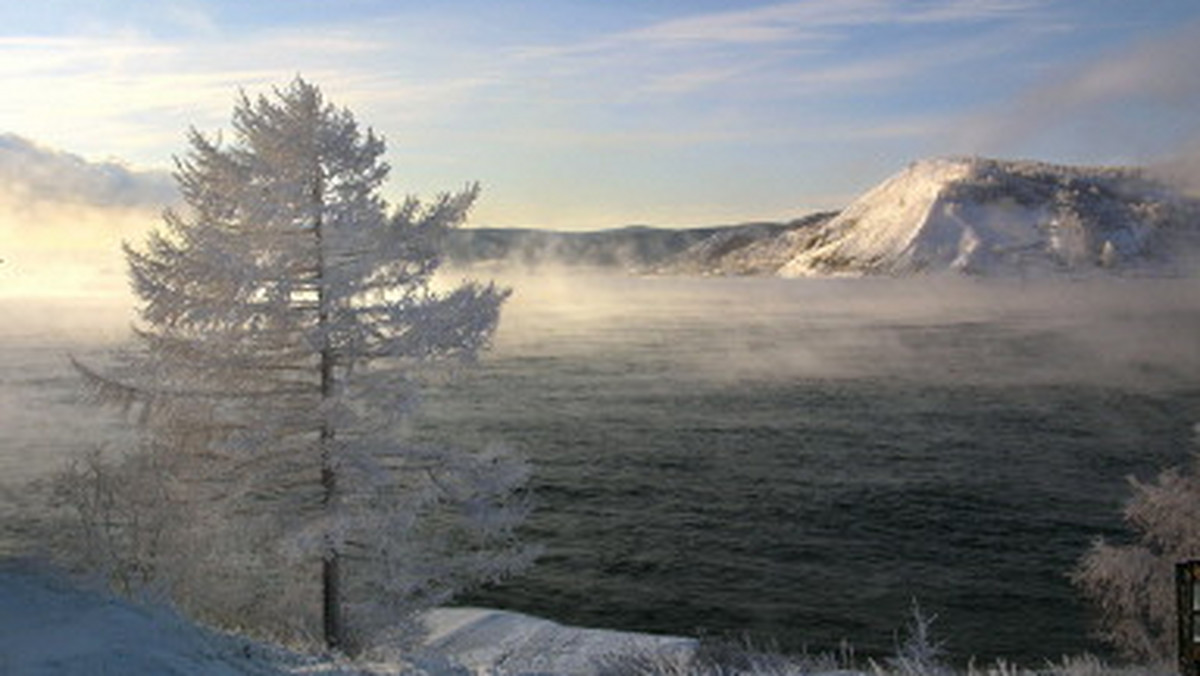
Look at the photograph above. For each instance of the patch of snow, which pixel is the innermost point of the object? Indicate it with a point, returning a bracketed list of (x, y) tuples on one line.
[(884, 224), (48, 626), (507, 642)]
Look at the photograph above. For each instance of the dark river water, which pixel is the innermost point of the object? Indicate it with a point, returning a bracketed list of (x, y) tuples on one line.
[(796, 461), (801, 461)]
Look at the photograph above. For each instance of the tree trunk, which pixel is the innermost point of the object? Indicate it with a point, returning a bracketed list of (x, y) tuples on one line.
[(331, 579), (331, 592)]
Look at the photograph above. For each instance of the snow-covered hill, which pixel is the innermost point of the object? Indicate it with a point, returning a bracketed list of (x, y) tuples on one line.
[(746, 250), (962, 214), (985, 216)]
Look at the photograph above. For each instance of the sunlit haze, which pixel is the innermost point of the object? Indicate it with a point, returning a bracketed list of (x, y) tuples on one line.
[(914, 295), (579, 115)]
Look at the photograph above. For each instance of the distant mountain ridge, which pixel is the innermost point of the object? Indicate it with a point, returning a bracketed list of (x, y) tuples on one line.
[(637, 249), (744, 251), (967, 215)]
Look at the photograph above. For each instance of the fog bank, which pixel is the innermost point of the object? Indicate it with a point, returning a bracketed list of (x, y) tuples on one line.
[(1111, 331)]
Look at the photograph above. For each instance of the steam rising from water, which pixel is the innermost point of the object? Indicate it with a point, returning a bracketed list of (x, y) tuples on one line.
[(801, 458), (1132, 332), (65, 250), (794, 457), (63, 218)]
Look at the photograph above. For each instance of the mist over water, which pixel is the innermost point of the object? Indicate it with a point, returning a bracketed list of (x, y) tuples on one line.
[(43, 420), (795, 459), (1136, 332), (802, 459)]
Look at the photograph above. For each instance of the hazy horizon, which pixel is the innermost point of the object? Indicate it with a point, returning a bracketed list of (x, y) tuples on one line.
[(590, 115), (574, 115)]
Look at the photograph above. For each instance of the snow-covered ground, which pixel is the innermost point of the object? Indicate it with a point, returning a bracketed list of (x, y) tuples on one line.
[(481, 639), (49, 625)]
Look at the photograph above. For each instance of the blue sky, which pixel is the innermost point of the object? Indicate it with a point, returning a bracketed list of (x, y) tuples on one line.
[(578, 114)]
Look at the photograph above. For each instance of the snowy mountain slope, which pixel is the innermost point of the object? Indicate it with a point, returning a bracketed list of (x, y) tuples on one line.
[(962, 214), (748, 250), (985, 216)]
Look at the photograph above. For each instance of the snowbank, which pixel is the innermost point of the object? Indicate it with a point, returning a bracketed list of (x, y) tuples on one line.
[(50, 626), (483, 640)]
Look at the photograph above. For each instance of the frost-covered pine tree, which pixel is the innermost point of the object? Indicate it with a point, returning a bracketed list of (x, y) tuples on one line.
[(1133, 584), (288, 318)]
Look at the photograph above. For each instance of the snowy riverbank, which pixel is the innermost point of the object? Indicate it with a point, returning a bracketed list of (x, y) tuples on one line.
[(49, 625)]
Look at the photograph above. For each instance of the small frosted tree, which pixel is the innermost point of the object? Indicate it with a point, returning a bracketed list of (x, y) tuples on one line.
[(288, 319), (1133, 585)]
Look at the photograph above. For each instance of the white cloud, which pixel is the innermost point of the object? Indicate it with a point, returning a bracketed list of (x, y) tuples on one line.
[(62, 220), (32, 173), (134, 96), (128, 94), (505, 107)]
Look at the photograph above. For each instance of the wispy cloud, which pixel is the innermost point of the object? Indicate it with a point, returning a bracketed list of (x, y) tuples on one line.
[(132, 94), (1160, 73), (819, 45), (969, 11), (127, 92), (523, 101), (819, 20), (189, 16)]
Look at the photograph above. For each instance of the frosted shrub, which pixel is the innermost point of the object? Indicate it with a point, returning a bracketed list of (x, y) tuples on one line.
[(102, 516), (920, 654), (1133, 585)]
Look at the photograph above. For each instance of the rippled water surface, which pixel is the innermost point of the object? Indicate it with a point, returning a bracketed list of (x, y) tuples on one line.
[(801, 460), (798, 460)]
